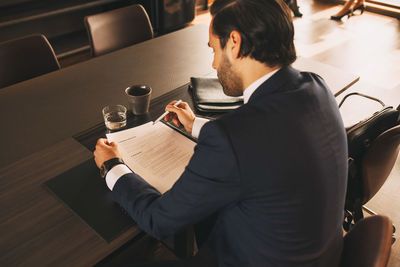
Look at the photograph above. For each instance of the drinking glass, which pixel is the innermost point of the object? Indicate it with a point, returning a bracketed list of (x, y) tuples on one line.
[(114, 117)]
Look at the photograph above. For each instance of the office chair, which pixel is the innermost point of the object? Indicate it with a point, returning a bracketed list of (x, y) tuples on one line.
[(378, 161), (26, 57), (119, 28), (368, 243), (376, 165), (373, 150)]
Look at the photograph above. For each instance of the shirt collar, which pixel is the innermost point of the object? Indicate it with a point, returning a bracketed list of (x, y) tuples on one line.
[(252, 87)]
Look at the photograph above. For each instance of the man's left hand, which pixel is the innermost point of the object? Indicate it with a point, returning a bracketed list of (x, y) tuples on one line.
[(105, 151)]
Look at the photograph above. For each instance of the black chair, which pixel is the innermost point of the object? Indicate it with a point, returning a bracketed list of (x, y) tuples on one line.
[(24, 58), (374, 145), (368, 243), (378, 162), (119, 28), (376, 165)]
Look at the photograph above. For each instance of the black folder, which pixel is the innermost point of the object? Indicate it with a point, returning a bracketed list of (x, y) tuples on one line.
[(208, 96), (88, 196)]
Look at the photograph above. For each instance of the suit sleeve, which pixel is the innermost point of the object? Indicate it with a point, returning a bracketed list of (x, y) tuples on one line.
[(210, 182)]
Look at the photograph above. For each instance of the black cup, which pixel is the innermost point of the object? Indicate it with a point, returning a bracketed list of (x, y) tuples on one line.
[(138, 98)]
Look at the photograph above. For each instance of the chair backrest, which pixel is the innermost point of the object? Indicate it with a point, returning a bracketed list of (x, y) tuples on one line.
[(26, 57), (119, 28), (373, 149), (378, 162), (368, 243)]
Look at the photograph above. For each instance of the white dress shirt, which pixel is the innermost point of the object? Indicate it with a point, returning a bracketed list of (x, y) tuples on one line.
[(120, 170)]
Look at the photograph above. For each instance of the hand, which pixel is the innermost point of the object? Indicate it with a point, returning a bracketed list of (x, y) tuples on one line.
[(105, 151), (180, 115)]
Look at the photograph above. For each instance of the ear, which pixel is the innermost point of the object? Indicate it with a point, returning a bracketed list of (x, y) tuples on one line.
[(234, 44)]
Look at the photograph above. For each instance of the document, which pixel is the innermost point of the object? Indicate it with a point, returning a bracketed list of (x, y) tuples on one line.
[(156, 152)]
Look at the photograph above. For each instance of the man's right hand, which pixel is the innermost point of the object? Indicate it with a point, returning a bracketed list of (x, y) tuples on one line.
[(182, 114), (105, 151)]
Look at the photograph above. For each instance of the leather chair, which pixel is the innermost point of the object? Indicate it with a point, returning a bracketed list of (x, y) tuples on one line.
[(26, 57), (374, 145), (378, 162), (119, 28), (376, 165), (368, 243)]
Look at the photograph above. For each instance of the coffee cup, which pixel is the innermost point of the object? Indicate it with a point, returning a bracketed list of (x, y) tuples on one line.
[(138, 98)]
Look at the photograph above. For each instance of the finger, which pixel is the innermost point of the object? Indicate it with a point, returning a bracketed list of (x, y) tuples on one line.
[(101, 141), (97, 161), (96, 156), (174, 117), (176, 121), (167, 117), (183, 105), (170, 104), (172, 108)]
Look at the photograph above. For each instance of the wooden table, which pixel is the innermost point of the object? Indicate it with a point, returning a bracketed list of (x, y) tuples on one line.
[(39, 118)]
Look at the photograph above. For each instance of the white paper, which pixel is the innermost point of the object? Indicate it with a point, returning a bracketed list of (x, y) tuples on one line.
[(156, 152)]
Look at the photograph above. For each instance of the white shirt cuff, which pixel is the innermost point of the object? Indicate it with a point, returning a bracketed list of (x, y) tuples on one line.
[(197, 125), (115, 173)]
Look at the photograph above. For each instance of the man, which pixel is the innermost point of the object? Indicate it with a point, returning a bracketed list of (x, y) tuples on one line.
[(266, 183)]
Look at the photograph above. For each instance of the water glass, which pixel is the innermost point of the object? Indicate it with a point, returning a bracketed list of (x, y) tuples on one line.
[(114, 117)]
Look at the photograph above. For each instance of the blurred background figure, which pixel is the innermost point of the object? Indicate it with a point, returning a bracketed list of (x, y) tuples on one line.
[(294, 7), (349, 8)]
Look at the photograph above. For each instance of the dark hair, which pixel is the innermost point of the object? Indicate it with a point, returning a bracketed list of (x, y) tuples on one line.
[(265, 26)]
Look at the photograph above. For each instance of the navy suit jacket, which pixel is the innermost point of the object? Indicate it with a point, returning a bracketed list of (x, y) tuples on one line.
[(266, 182)]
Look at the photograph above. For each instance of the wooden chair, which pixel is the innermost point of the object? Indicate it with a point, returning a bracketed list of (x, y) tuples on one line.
[(119, 28), (26, 57), (368, 243)]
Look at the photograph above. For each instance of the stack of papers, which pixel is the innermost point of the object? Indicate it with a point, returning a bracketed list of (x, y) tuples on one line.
[(156, 152)]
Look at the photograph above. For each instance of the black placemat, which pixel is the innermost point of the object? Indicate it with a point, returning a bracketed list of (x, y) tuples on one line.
[(88, 196)]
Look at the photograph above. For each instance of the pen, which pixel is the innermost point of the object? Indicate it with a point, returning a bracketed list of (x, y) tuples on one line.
[(166, 112)]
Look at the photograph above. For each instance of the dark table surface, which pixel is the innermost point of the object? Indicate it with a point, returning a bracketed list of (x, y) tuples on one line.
[(41, 117), (42, 111)]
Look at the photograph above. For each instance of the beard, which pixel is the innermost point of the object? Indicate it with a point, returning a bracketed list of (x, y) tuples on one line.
[(231, 82)]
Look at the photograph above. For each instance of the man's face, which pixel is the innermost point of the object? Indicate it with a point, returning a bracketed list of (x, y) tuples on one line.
[(230, 80)]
